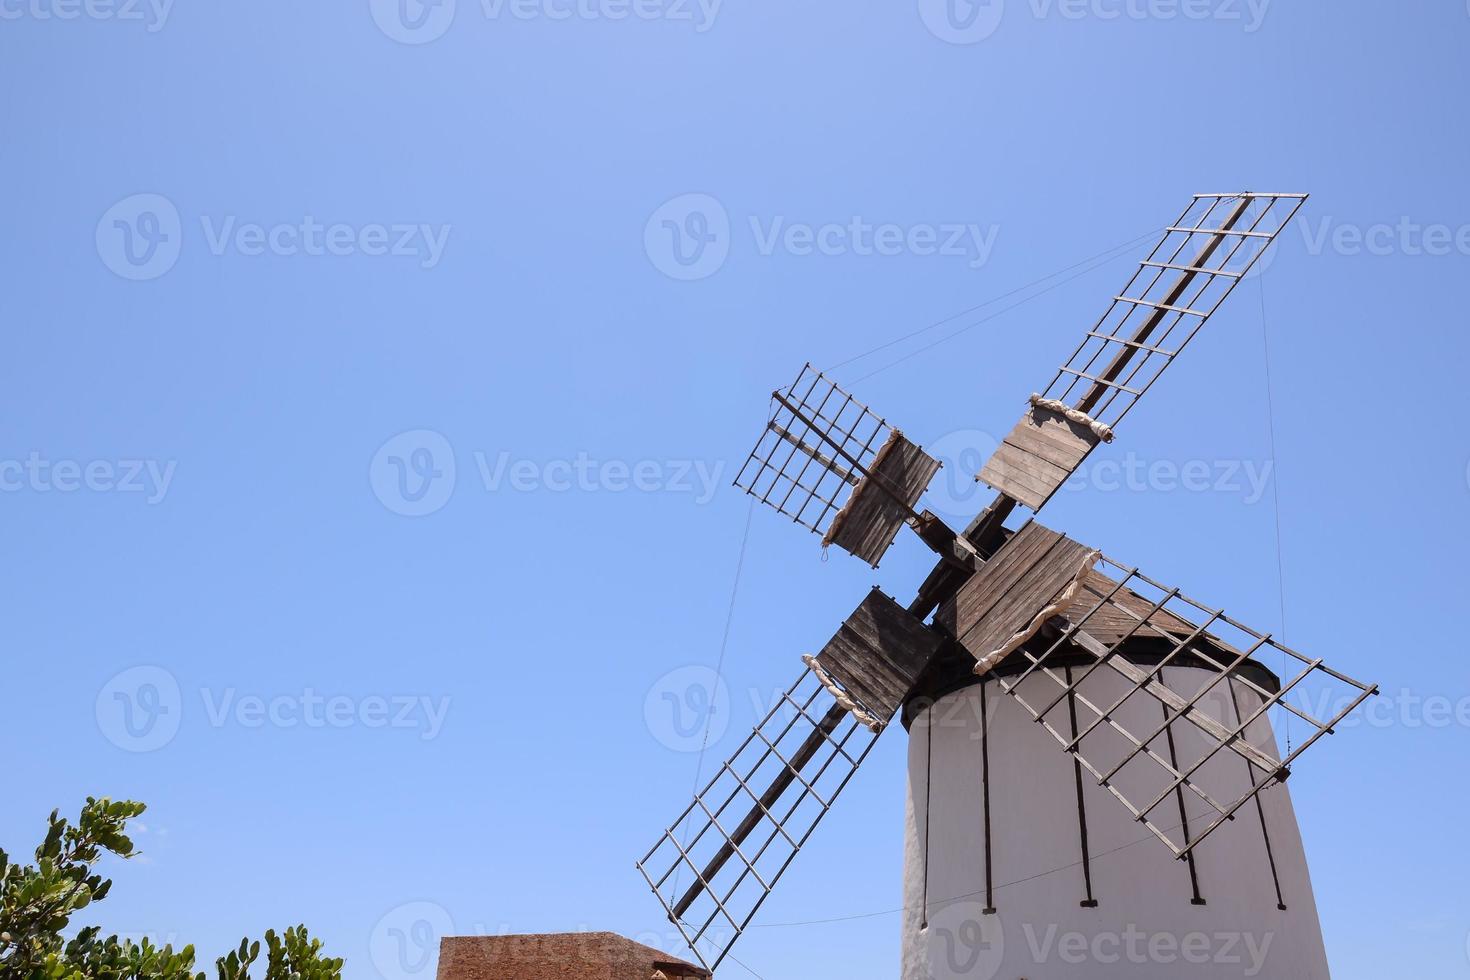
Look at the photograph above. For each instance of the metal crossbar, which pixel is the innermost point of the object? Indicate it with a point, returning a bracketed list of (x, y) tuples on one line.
[(1195, 265), (1221, 231), (1153, 644), (1189, 268), (817, 446), (1160, 306), (713, 874)]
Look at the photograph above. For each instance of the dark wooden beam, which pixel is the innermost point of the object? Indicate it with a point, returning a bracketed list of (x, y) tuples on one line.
[(821, 734), (1127, 352)]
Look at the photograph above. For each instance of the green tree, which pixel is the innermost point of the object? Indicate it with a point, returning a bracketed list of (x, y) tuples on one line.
[(37, 903)]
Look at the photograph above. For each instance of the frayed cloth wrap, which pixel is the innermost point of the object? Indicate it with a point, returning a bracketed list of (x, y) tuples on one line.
[(844, 700), (1058, 605), (1103, 432)]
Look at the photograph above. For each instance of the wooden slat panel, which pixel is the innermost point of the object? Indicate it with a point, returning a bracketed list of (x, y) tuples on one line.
[(1016, 473), (1026, 597), (879, 653), (888, 627), (1054, 438), (985, 588), (872, 517), (1030, 469), (849, 661), (1005, 595), (1037, 456), (891, 684)]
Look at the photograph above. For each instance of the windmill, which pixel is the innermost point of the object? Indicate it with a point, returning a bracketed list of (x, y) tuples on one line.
[(1068, 713)]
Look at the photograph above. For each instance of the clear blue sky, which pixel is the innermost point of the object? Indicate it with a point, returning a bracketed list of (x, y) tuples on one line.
[(390, 710)]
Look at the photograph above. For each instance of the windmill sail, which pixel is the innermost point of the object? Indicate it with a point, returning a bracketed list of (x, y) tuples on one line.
[(715, 867), (1085, 636), (830, 464), (1193, 268)]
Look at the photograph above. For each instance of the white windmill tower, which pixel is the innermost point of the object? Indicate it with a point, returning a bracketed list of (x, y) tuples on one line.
[(1068, 714)]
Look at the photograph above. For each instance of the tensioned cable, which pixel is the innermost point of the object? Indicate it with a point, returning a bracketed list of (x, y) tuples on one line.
[(1275, 486), (1086, 265), (719, 669)]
